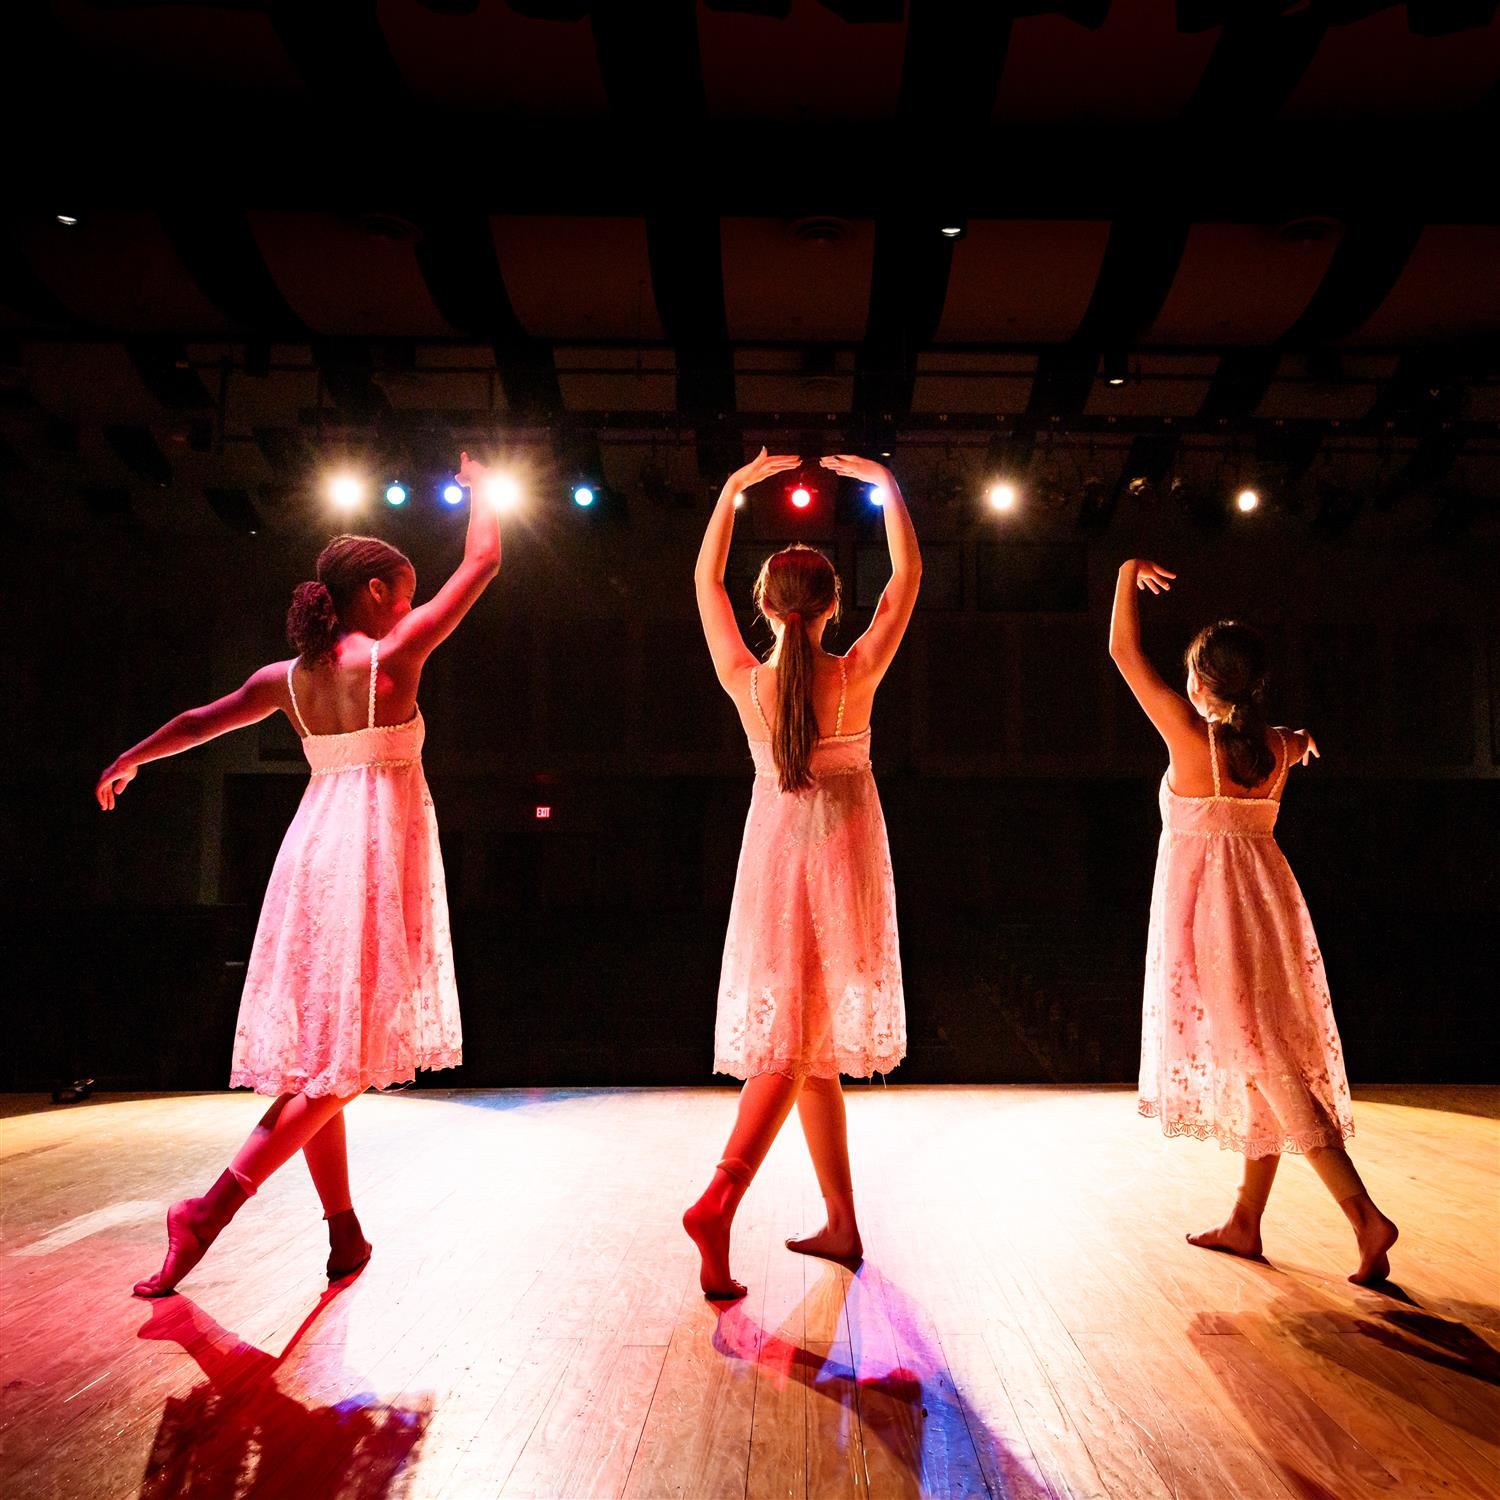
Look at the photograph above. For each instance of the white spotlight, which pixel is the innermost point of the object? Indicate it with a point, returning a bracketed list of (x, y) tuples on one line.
[(502, 491), (345, 491), (453, 494), (877, 494), (1002, 496), (1247, 500), (739, 500), (68, 219)]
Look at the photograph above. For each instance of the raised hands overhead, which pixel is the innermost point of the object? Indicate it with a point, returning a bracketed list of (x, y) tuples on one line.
[(762, 466), (1168, 710)]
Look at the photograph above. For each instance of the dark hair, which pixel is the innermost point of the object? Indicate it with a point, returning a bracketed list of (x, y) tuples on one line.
[(345, 566), (1230, 661), (795, 585)]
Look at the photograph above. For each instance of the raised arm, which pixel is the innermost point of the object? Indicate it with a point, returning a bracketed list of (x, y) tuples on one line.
[(258, 698), (720, 628), (874, 651), (1169, 711), (426, 627)]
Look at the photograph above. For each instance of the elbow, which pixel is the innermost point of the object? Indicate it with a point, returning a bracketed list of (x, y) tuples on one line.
[(486, 562)]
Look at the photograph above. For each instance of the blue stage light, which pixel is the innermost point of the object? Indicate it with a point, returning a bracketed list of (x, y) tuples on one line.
[(453, 494), (395, 494), (583, 495)]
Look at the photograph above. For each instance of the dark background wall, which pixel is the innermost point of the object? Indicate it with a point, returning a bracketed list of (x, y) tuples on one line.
[(1018, 778)]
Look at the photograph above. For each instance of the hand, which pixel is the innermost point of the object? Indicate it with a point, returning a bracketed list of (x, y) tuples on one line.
[(117, 776), (762, 466), (1150, 575), (1310, 749), (852, 466), (470, 471)]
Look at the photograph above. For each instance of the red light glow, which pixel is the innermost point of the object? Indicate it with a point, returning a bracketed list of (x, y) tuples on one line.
[(801, 497)]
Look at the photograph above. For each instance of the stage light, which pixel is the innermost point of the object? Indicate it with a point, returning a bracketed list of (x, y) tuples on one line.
[(952, 231), (1115, 368), (453, 494), (395, 494), (346, 491), (1247, 500), (876, 494), (68, 219), (739, 500), (802, 497), (502, 491), (1002, 496), (583, 495)]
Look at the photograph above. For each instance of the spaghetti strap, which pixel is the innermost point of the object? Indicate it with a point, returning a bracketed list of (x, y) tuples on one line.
[(296, 712), (374, 658), (1286, 764), (755, 699), (1213, 757)]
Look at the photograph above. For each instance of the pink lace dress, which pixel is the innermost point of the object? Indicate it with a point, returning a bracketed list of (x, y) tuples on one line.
[(1238, 1040), (350, 983), (811, 980)]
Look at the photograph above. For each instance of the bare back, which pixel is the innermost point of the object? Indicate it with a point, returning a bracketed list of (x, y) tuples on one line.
[(1199, 767), (842, 701), (334, 696)]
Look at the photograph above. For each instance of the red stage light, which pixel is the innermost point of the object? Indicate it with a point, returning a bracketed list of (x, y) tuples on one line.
[(802, 497)]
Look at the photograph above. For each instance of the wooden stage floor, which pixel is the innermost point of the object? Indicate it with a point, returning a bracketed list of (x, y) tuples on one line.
[(1029, 1321)]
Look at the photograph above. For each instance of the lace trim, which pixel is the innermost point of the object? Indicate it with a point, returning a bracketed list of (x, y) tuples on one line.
[(1299, 1142), (315, 1085), (364, 765), (886, 1062), (1220, 833), (821, 775)]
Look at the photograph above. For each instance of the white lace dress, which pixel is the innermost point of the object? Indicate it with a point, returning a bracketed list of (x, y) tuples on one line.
[(350, 982), (811, 980)]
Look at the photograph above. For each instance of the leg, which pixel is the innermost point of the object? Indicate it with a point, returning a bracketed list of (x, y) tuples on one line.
[(765, 1102), (820, 1106), (193, 1224), (1374, 1233), (327, 1156), (1239, 1234)]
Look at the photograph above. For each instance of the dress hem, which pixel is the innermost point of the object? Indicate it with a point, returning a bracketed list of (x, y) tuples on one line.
[(316, 1087), (1296, 1142), (786, 1068)]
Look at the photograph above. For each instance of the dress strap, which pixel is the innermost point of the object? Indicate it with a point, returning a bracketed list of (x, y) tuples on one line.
[(1213, 756), (296, 712), (755, 699), (838, 719), (374, 659), (1286, 763)]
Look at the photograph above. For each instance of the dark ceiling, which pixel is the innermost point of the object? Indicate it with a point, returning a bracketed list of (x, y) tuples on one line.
[(640, 235)]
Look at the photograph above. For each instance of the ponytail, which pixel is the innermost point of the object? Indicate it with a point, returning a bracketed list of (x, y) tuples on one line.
[(795, 585), (796, 729), (1242, 733), (1229, 659), (312, 623)]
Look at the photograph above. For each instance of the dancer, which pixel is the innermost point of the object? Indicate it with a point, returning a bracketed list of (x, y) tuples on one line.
[(350, 981), (1238, 1039), (811, 980)]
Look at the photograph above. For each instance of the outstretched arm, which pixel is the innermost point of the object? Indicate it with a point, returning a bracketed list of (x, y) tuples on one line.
[(1169, 711), (874, 651), (426, 627), (720, 628), (258, 698)]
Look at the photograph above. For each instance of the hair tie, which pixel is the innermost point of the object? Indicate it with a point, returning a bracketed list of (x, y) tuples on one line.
[(791, 615)]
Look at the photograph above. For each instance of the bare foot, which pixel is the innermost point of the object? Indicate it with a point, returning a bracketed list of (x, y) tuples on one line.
[(1375, 1234), (843, 1245), (348, 1249), (710, 1233), (1235, 1236), (190, 1232)]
